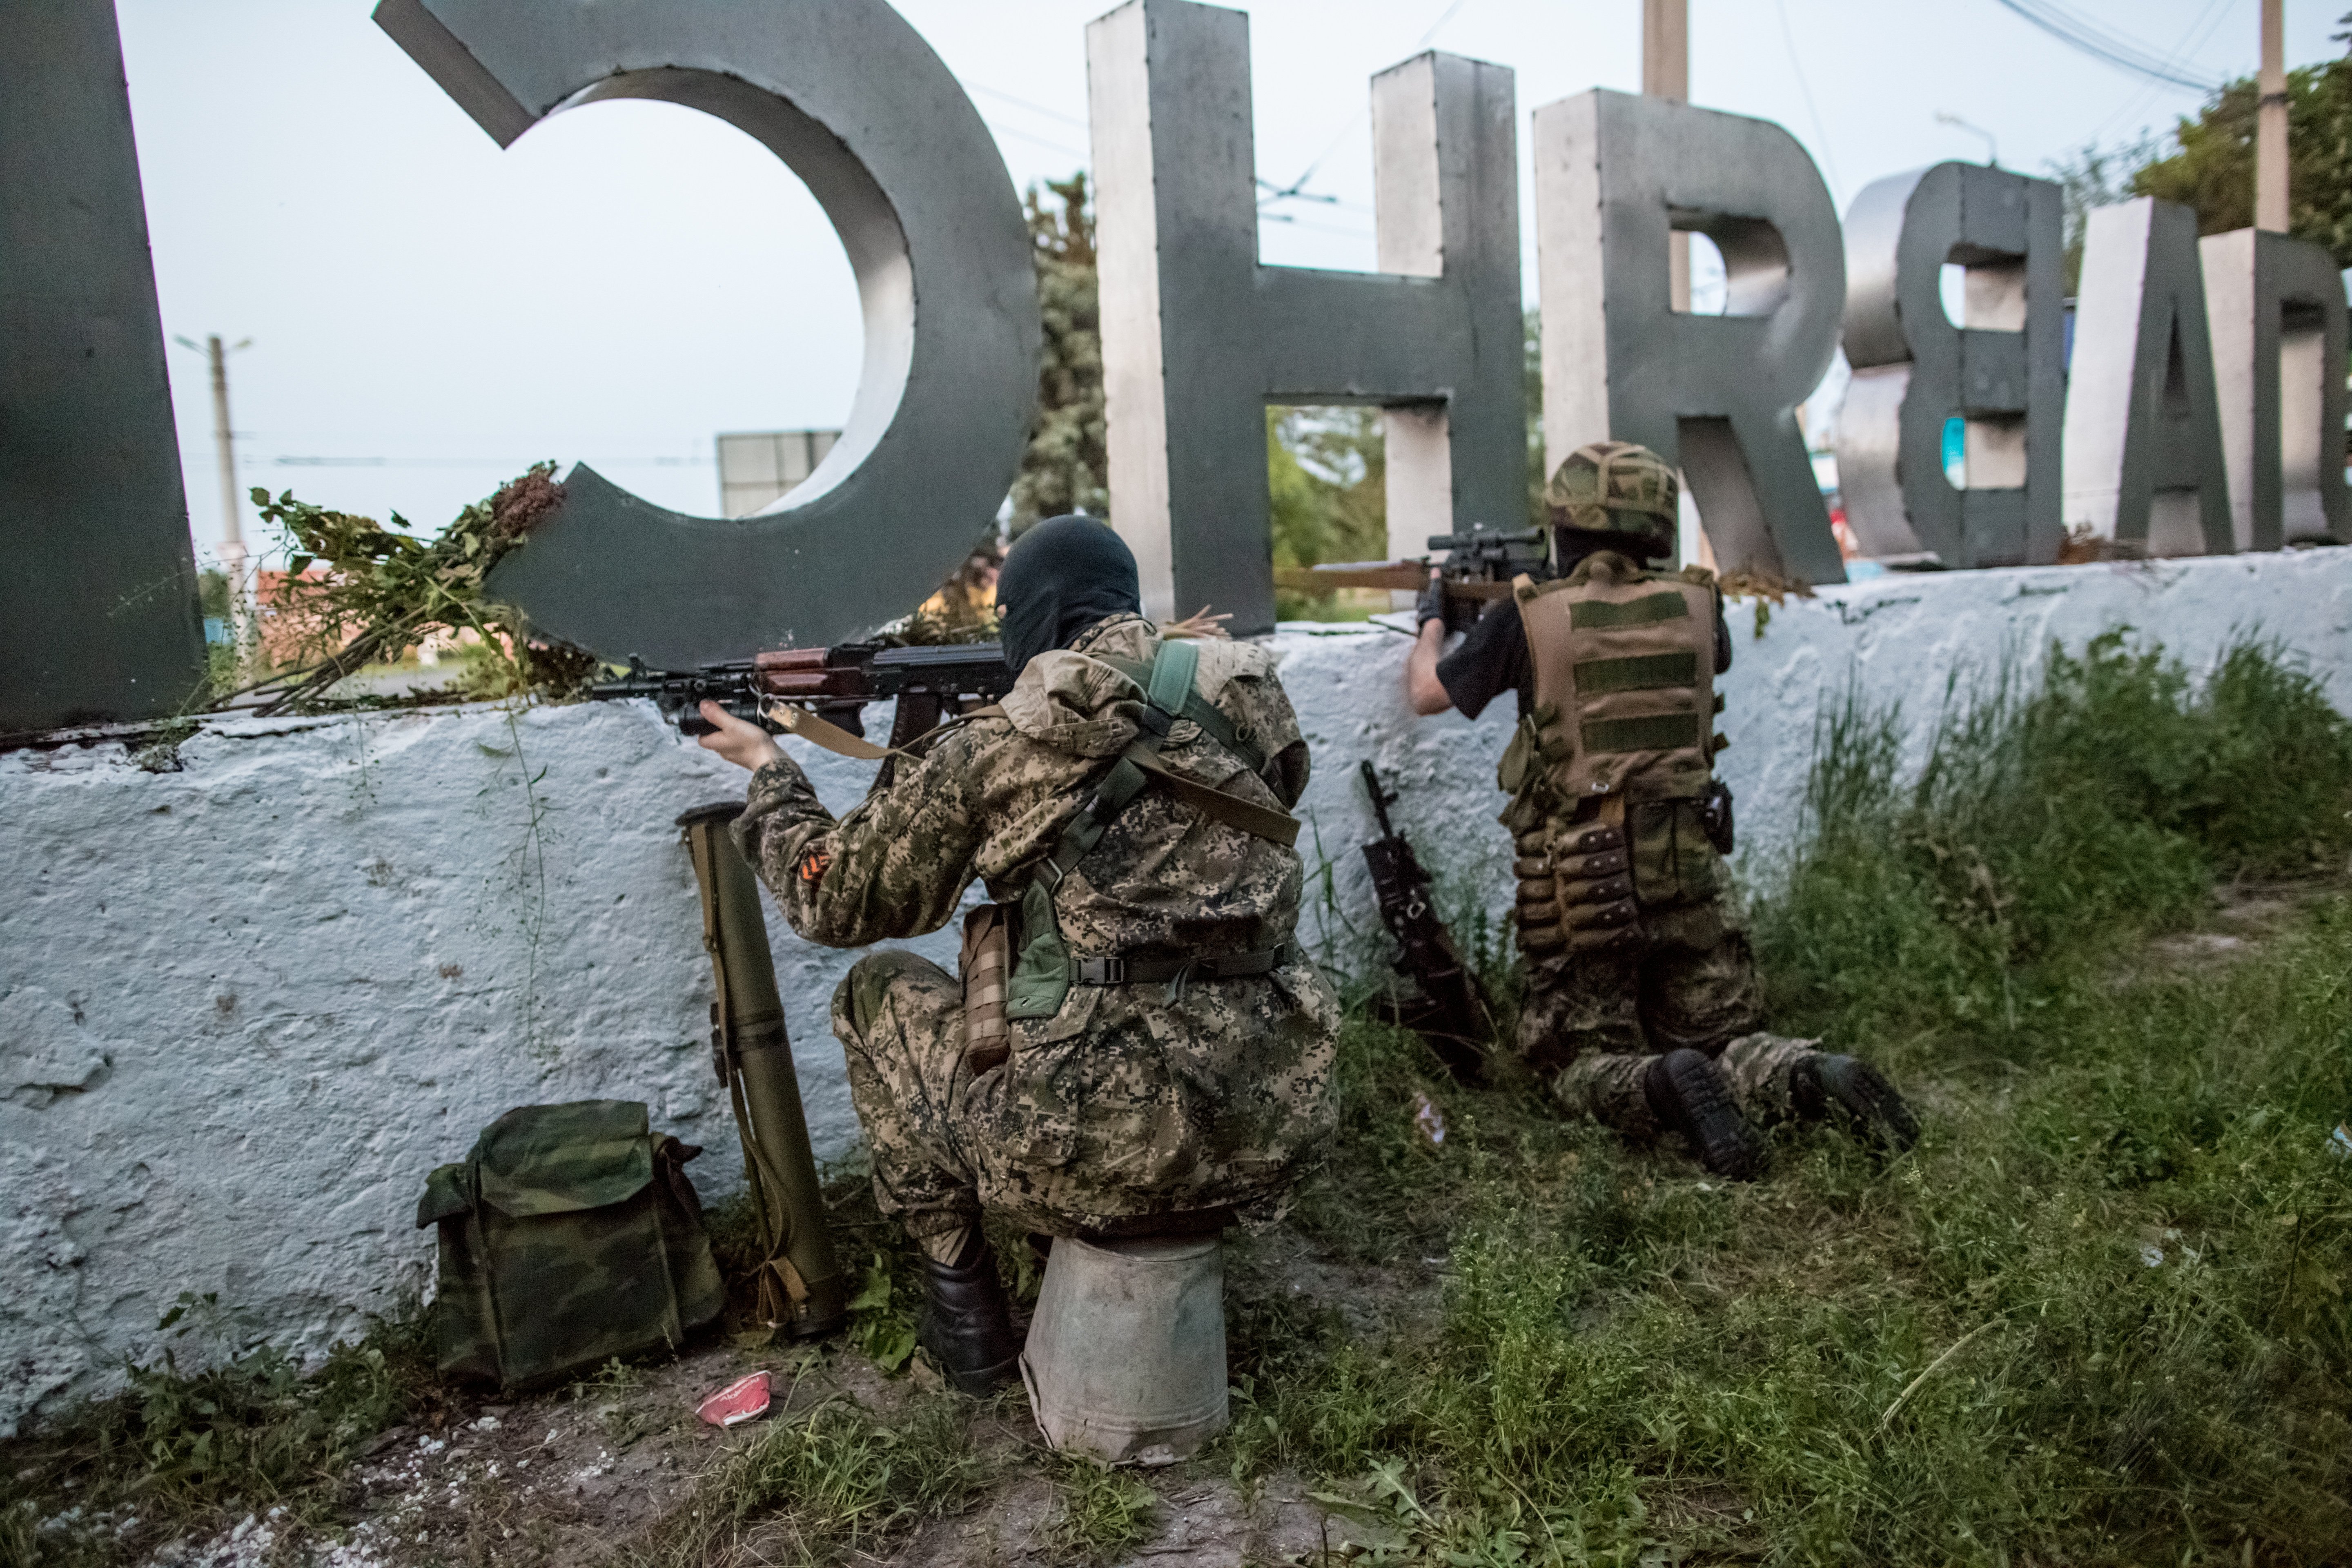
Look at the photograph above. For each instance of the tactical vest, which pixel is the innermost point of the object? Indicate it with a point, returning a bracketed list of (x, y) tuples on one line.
[(1624, 675)]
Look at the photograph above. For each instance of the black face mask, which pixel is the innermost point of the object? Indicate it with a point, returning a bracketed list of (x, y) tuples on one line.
[(1058, 579)]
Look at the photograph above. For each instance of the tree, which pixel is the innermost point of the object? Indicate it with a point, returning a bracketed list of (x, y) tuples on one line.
[(2213, 170), (1065, 467), (1327, 495), (2096, 176), (2208, 163)]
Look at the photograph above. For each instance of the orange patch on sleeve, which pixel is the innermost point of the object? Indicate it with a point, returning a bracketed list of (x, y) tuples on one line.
[(814, 864)]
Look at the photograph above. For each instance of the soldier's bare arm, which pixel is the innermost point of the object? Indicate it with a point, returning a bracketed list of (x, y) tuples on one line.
[(1422, 687)]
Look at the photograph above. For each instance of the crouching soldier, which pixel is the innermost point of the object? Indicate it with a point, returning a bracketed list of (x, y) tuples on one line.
[(1137, 1047), (1643, 1008)]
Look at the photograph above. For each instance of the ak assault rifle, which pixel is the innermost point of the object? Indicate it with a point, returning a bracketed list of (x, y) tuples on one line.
[(1442, 999), (835, 683), (1479, 564)]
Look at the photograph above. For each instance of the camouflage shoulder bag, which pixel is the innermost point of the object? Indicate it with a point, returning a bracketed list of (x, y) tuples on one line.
[(569, 1236)]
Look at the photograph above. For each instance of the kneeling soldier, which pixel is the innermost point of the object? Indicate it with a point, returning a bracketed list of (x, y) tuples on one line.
[(1137, 1046), (1642, 1008)]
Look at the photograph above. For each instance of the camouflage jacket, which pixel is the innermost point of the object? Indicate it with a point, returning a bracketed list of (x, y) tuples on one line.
[(987, 797)]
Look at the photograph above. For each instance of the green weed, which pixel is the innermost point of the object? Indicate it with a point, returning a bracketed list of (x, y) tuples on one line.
[(2099, 1315), (249, 1430), (1098, 1512), (2046, 825), (834, 1478)]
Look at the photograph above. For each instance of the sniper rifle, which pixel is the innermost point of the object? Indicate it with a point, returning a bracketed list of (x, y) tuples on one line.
[(1479, 564), (778, 691), (1441, 1000)]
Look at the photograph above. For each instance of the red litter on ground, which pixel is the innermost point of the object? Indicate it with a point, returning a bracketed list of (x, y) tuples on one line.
[(745, 1399)]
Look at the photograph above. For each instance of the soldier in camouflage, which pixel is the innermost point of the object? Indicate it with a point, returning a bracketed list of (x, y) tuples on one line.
[(1642, 1008), (1170, 1048)]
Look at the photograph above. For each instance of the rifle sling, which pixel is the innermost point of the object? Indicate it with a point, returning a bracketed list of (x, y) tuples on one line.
[(824, 733), (1263, 821)]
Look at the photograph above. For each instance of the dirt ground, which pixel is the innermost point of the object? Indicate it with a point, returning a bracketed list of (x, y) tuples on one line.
[(571, 1476), (566, 1478)]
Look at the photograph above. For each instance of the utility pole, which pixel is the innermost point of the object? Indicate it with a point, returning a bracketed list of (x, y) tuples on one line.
[(2270, 126), (242, 624), (1665, 73)]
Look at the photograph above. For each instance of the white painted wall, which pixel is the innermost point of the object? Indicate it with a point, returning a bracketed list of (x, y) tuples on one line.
[(246, 1006)]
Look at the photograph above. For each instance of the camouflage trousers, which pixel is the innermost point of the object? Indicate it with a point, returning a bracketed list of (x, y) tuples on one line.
[(1593, 1024), (1123, 1109)]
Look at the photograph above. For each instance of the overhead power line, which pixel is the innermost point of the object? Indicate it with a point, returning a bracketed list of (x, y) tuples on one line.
[(2080, 33)]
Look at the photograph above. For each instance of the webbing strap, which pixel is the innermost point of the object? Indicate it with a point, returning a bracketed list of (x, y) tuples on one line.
[(1179, 973), (1151, 971), (1194, 707), (1263, 821), (1165, 701), (1172, 676)]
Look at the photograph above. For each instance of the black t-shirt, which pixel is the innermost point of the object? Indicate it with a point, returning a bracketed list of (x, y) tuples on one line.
[(1493, 660)]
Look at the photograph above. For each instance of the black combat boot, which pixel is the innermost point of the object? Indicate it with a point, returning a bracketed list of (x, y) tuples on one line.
[(965, 1324), (1686, 1092), (1822, 1086)]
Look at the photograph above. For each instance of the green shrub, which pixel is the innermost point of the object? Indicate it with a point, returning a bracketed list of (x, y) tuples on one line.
[(2045, 826), (2099, 1316)]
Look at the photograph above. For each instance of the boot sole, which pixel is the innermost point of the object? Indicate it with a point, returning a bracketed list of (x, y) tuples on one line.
[(1711, 1120), (1877, 1110)]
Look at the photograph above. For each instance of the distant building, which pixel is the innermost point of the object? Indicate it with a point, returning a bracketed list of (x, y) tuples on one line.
[(758, 467)]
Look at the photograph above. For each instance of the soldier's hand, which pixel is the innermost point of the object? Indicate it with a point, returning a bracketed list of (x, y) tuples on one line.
[(739, 740), (1430, 605)]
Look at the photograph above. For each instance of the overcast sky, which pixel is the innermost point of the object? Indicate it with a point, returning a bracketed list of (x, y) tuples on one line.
[(430, 314)]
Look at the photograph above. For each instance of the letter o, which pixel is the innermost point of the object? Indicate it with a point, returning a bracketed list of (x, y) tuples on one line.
[(857, 105)]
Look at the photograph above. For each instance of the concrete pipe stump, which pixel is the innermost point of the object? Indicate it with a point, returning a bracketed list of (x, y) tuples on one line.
[(1126, 1356)]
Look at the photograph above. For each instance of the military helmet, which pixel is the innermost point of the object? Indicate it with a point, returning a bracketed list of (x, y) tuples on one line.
[(1616, 486)]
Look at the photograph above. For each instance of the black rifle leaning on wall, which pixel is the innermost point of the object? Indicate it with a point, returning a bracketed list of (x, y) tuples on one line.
[(819, 692), (801, 1290), (1442, 1002), (1479, 564)]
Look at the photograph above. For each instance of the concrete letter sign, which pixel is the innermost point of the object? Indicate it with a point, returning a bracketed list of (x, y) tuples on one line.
[(99, 593), (2003, 369), (2143, 441), (1613, 176), (852, 98), (1198, 337), (2276, 305)]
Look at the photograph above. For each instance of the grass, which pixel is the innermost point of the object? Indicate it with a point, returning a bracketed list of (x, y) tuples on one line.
[(249, 1428), (1098, 1512), (833, 1479), (2099, 1316)]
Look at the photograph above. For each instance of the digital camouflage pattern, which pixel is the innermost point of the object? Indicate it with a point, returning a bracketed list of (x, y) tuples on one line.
[(1616, 486), (568, 1236), (1130, 1101), (1607, 1086)]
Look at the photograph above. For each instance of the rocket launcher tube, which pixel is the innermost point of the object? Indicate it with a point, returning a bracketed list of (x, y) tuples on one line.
[(801, 1289)]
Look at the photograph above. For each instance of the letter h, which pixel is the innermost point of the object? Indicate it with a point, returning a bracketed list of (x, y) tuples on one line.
[(1199, 337)]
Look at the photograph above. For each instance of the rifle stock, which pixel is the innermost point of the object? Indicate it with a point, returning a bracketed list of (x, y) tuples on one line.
[(1397, 577)]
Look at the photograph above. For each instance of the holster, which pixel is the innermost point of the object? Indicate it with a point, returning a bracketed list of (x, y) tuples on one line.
[(1715, 817), (986, 964)]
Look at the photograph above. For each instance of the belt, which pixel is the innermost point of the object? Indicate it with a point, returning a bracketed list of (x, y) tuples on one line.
[(1177, 971)]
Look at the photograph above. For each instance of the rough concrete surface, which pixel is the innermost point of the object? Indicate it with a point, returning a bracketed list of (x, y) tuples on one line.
[(245, 1006)]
